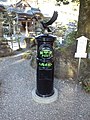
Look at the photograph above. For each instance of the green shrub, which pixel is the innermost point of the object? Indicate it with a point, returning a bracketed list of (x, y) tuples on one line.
[(67, 49), (87, 88), (27, 55), (86, 84), (71, 38)]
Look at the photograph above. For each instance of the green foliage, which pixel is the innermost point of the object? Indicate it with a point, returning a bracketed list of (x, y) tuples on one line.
[(59, 0), (27, 55), (87, 88), (67, 1), (3, 39), (64, 1), (60, 31), (85, 74), (70, 38), (75, 1), (86, 83), (67, 49)]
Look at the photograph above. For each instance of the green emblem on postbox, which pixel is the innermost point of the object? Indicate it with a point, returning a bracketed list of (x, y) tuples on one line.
[(45, 64), (46, 52)]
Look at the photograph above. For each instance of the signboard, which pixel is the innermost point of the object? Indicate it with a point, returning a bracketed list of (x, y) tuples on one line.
[(81, 47)]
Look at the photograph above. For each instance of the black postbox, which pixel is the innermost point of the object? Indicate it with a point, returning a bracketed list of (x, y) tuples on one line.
[(45, 65)]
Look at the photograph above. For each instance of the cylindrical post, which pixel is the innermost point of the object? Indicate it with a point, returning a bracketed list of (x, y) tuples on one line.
[(45, 69), (45, 65)]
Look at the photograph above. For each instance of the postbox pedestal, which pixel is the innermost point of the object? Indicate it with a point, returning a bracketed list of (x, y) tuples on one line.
[(44, 100)]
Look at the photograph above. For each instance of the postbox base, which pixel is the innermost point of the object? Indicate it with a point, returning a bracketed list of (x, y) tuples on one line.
[(45, 100)]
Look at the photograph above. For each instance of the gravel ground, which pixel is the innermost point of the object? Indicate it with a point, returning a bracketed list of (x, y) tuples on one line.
[(17, 80)]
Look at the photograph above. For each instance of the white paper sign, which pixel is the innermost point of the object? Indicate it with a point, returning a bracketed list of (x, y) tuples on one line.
[(81, 47)]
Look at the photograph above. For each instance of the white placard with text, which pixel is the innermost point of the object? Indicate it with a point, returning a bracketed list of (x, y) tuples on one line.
[(81, 47)]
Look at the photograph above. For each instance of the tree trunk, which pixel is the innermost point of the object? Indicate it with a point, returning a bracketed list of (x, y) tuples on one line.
[(84, 18)]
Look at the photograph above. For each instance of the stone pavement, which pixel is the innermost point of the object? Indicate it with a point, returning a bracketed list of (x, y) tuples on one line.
[(17, 80)]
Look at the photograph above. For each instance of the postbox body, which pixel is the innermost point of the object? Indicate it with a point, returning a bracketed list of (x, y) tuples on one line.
[(45, 65)]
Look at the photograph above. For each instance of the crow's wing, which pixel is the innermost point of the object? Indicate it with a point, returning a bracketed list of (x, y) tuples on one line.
[(54, 17)]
